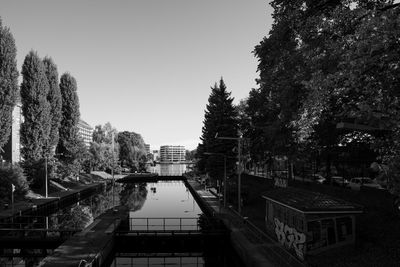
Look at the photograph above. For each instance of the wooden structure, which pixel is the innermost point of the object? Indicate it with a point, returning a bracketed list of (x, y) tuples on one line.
[(307, 223)]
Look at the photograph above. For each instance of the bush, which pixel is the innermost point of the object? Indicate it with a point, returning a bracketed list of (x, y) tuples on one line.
[(12, 174)]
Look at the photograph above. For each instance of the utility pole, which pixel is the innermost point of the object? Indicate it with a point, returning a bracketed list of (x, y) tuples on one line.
[(45, 172), (112, 171), (239, 177), (224, 181)]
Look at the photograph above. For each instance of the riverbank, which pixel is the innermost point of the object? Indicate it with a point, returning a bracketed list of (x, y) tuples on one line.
[(64, 194)]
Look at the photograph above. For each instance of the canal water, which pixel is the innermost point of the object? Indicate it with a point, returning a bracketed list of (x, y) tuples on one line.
[(162, 205), (168, 205)]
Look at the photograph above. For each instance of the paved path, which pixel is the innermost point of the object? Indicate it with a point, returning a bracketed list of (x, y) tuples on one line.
[(254, 246), (91, 246)]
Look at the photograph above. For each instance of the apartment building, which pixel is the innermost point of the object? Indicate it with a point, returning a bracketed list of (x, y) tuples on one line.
[(85, 131), (172, 153), (12, 149)]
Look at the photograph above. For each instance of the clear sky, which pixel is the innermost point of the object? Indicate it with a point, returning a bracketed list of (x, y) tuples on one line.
[(145, 65)]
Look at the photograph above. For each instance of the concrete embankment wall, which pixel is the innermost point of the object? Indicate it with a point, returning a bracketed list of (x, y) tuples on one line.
[(246, 250)]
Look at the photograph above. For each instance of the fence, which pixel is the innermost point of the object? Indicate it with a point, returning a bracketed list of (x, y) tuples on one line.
[(164, 224)]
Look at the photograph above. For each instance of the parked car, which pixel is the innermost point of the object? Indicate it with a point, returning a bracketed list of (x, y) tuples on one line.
[(357, 182), (318, 178), (126, 169), (339, 181)]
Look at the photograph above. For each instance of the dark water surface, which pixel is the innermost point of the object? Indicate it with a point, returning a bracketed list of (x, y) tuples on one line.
[(168, 205)]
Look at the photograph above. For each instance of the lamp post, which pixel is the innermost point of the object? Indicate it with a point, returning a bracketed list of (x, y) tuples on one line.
[(45, 173), (221, 154), (239, 139), (112, 171)]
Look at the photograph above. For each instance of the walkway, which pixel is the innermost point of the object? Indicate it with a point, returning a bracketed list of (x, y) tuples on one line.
[(254, 246), (91, 246)]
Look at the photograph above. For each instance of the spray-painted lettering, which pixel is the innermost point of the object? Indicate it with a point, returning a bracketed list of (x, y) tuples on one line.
[(281, 182), (290, 238)]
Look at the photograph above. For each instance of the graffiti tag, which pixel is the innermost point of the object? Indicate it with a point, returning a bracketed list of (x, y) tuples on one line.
[(281, 182), (290, 238)]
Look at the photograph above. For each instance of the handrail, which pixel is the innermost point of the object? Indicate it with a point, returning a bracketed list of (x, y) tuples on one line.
[(168, 232), (163, 223)]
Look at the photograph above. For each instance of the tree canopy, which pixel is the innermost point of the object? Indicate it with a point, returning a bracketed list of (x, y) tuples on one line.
[(54, 98), (70, 117), (325, 63), (8, 81), (35, 108), (101, 151), (220, 118), (132, 149)]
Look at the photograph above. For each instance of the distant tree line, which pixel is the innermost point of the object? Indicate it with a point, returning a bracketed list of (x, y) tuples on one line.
[(129, 150)]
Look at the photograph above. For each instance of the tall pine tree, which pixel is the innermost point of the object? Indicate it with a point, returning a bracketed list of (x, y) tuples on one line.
[(67, 145), (220, 117), (8, 81), (35, 108), (54, 98)]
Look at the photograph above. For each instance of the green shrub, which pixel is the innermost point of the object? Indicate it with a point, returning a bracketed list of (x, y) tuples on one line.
[(12, 174)]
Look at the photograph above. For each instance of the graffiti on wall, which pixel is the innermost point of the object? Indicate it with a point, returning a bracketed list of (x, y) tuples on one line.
[(290, 238), (281, 182)]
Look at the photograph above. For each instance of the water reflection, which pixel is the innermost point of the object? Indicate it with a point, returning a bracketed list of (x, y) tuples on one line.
[(133, 195), (164, 199)]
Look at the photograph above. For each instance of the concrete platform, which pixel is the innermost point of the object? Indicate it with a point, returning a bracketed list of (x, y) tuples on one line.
[(90, 247)]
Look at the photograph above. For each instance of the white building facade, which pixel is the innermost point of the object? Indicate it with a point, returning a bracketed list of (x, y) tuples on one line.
[(172, 154)]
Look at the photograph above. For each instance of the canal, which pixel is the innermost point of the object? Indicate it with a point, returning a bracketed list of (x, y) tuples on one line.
[(168, 205), (154, 207)]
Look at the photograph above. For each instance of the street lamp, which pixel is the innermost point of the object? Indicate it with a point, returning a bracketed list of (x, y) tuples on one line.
[(45, 172), (221, 154), (112, 172), (239, 139)]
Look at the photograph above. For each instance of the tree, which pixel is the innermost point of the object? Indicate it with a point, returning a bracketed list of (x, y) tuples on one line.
[(353, 77), (54, 98), (101, 151), (220, 117), (68, 130), (12, 176), (314, 65), (8, 81), (103, 134), (35, 108), (191, 155), (102, 157), (77, 217), (132, 150)]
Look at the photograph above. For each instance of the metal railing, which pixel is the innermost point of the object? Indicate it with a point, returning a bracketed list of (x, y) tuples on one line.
[(24, 222), (164, 224)]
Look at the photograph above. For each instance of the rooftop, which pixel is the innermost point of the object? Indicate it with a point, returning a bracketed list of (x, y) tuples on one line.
[(83, 123), (310, 202)]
